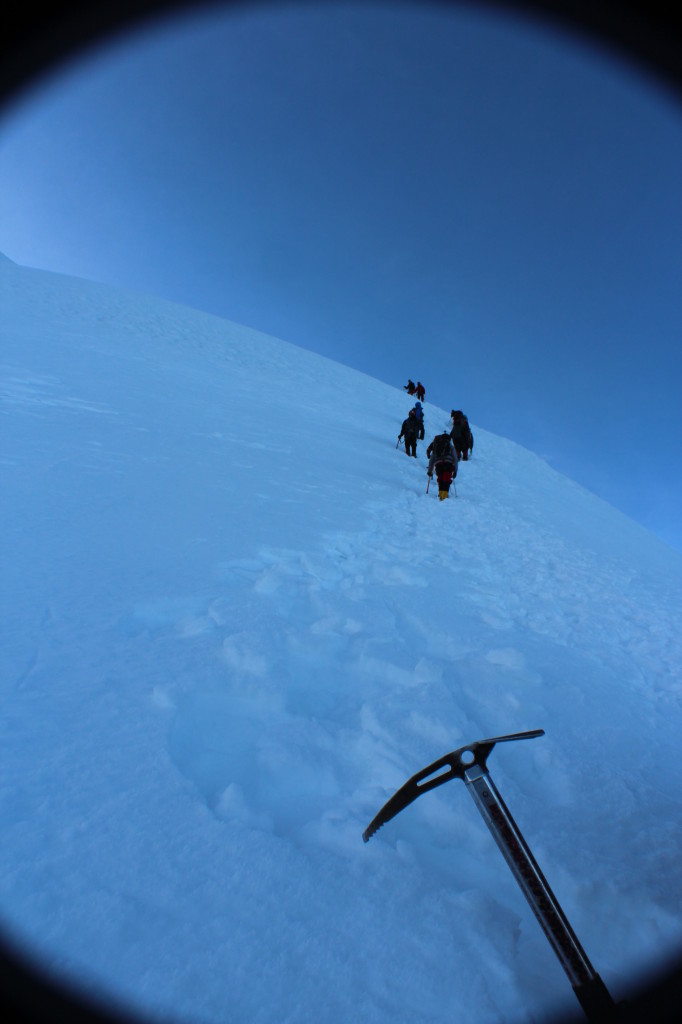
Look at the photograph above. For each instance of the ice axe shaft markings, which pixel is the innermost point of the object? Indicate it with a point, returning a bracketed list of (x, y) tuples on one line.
[(469, 764)]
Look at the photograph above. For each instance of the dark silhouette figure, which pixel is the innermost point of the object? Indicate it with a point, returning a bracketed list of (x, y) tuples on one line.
[(410, 431)]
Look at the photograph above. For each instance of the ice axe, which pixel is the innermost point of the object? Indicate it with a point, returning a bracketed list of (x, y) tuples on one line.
[(469, 764)]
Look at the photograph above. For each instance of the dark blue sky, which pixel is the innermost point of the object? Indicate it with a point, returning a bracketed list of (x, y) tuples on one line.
[(436, 192)]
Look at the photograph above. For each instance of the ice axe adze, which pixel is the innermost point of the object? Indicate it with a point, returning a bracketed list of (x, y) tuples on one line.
[(469, 764)]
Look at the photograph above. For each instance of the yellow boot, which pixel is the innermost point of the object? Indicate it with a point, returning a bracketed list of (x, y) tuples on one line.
[(443, 494)]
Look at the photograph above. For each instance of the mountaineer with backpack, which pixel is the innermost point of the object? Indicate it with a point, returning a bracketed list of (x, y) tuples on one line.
[(410, 387), (442, 458), (461, 435), (419, 413), (410, 431), (419, 391)]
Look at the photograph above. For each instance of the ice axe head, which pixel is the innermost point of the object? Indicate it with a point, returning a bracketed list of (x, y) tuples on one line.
[(450, 766)]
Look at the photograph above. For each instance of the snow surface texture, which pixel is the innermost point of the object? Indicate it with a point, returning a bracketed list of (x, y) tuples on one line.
[(234, 623)]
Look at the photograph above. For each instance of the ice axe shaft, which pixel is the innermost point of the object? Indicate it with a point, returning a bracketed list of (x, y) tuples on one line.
[(469, 764), (589, 988)]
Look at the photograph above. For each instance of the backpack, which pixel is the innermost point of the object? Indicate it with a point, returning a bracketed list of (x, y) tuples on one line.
[(441, 446), (460, 429)]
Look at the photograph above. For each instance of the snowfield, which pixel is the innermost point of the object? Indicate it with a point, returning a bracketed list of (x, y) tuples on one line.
[(234, 623)]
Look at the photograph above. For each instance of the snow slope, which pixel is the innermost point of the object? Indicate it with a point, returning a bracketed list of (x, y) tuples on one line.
[(234, 623)]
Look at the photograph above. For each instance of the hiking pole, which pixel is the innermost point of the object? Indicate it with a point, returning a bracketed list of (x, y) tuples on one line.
[(427, 483), (398, 444), (469, 764)]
